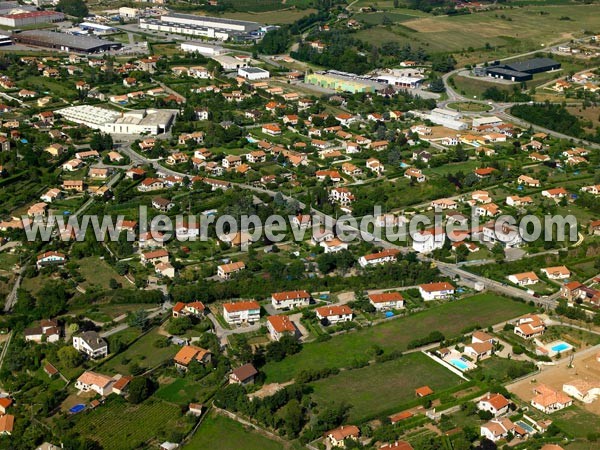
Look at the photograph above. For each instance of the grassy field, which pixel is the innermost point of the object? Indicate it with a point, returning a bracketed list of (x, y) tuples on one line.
[(183, 391), (282, 16), (469, 106), (143, 352), (98, 272), (507, 31), (575, 421), (118, 425), (381, 387), (219, 432), (449, 318)]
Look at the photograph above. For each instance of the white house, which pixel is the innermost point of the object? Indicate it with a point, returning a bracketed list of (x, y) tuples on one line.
[(548, 400), (497, 429), (529, 326), (523, 279), (426, 241), (387, 300), (91, 344), (241, 312), (225, 271), (92, 381), (382, 257), (584, 391), (253, 73), (556, 273), (290, 299), (334, 245), (479, 350), (50, 258), (337, 437), (335, 313), (496, 404), (436, 291), (280, 326)]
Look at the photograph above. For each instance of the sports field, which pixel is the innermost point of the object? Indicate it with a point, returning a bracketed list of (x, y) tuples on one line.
[(383, 387), (449, 318)]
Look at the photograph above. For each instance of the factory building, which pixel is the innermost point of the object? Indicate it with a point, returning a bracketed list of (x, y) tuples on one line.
[(21, 19), (522, 70), (64, 42)]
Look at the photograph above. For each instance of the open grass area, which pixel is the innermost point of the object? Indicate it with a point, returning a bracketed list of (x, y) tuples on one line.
[(98, 272), (469, 106), (281, 16), (119, 425), (8, 260), (575, 421), (143, 352), (184, 390), (502, 370), (382, 387), (220, 432), (449, 318)]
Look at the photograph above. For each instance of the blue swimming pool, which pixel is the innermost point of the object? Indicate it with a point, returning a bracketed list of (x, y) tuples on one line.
[(459, 363), (561, 347), (525, 426), (77, 408)]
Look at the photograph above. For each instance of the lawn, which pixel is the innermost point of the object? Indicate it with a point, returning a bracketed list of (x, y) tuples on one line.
[(143, 353), (220, 432), (449, 318), (183, 391), (575, 421), (502, 370), (272, 17), (380, 388), (8, 260), (469, 106), (118, 425), (98, 272)]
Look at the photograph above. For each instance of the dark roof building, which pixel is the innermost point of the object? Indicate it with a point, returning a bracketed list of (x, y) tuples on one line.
[(64, 42), (522, 70)]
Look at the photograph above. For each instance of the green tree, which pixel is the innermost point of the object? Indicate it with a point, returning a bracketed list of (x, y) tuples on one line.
[(69, 357), (76, 8), (140, 388)]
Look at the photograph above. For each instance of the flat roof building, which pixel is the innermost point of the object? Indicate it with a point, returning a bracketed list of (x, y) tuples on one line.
[(217, 23), (522, 70), (64, 42), (21, 19), (253, 73), (203, 48), (150, 121), (342, 83)]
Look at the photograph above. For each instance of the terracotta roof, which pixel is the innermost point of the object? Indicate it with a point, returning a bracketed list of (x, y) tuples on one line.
[(436, 287), (160, 253), (400, 416), (341, 433), (7, 422), (232, 267), (498, 401), (281, 324), (122, 383), (5, 402), (423, 391), (288, 295), (386, 297), (241, 306), (94, 378), (382, 254), (333, 310), (398, 445), (189, 352)]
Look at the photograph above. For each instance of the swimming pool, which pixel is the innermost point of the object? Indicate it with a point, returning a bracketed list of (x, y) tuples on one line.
[(77, 408), (459, 363), (561, 347), (525, 426)]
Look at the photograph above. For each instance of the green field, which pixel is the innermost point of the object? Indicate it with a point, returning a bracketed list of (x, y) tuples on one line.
[(219, 432), (575, 421), (143, 353), (382, 387), (183, 391), (450, 318), (469, 106), (98, 272), (118, 425)]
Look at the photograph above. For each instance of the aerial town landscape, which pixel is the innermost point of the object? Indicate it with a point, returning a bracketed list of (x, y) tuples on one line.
[(300, 224)]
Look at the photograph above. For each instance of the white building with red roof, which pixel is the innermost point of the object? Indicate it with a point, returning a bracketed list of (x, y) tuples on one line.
[(241, 312), (436, 291), (386, 301), (290, 299), (335, 313), (280, 326), (496, 404)]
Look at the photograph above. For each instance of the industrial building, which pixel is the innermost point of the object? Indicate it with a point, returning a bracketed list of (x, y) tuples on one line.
[(5, 40), (203, 48), (229, 62), (522, 70), (403, 82), (444, 117), (343, 83), (97, 28), (210, 27), (64, 42), (136, 122), (21, 19), (253, 73)]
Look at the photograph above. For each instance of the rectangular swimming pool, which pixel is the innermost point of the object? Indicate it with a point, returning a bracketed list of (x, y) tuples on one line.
[(561, 347), (459, 363)]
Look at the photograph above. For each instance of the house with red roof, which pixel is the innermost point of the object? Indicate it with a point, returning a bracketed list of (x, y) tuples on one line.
[(386, 301), (280, 326), (290, 299)]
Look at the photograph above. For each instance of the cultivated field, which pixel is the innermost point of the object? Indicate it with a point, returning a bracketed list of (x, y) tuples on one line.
[(519, 29), (282, 16), (449, 318), (120, 426), (220, 432), (382, 387)]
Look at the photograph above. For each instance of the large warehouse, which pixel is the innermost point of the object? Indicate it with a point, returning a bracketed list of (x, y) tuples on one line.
[(64, 42), (203, 48), (22, 19), (522, 70), (136, 122), (210, 27)]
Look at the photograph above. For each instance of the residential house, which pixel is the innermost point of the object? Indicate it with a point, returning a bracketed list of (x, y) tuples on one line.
[(387, 301), (50, 258), (290, 299), (91, 344), (241, 312), (415, 174), (436, 291), (515, 200), (584, 391), (528, 181), (497, 429), (339, 436), (47, 331), (280, 326), (375, 166), (341, 195), (556, 273), (529, 326), (225, 271), (382, 257), (193, 309), (272, 129), (496, 404), (189, 353), (334, 245), (523, 279), (444, 203), (73, 185), (38, 210), (243, 375), (151, 184), (549, 400), (162, 204), (426, 241), (96, 382), (556, 193), (335, 313), (479, 350), (155, 257)]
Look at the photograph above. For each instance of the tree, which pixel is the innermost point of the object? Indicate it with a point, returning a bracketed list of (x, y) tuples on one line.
[(76, 8), (292, 416), (140, 388), (69, 357), (179, 325), (138, 319)]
